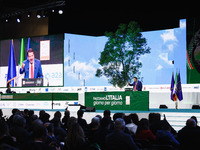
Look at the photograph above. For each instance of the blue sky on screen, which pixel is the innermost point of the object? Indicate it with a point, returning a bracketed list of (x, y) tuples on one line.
[(81, 54)]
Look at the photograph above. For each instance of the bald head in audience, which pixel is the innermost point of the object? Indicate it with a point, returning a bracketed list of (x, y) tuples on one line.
[(191, 123)]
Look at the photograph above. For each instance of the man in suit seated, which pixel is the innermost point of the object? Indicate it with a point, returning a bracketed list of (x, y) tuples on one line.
[(118, 139), (32, 66), (137, 85)]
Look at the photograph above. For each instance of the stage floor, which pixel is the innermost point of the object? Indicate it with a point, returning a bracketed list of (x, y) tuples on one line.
[(176, 117)]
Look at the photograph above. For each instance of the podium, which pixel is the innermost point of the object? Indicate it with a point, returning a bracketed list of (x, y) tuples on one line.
[(121, 100), (29, 82)]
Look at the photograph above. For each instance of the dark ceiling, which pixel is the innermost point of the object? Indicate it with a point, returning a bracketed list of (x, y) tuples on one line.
[(95, 17)]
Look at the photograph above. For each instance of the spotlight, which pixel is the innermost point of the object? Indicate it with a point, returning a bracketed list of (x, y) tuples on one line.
[(6, 20), (60, 11), (45, 13), (19, 19), (29, 15), (52, 10), (38, 14)]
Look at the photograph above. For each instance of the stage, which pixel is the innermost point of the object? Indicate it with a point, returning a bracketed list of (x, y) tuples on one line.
[(65, 96)]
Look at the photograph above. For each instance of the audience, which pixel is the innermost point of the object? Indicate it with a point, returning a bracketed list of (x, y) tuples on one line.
[(130, 125), (165, 137), (39, 137), (76, 138), (143, 131), (102, 132), (82, 121), (189, 135), (65, 118), (24, 130), (92, 129), (18, 130), (118, 139), (154, 122)]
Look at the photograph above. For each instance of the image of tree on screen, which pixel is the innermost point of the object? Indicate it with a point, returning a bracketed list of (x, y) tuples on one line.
[(120, 59)]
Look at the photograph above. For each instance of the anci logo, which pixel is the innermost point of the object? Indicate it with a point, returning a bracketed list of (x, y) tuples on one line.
[(85, 88), (105, 88)]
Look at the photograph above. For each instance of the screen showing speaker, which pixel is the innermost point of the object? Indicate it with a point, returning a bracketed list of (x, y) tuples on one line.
[(48, 51)]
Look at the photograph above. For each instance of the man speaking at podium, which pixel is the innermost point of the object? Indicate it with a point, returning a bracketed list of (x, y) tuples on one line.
[(31, 66), (137, 85)]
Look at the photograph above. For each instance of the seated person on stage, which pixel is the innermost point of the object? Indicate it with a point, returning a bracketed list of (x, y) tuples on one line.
[(137, 85), (8, 88), (32, 66)]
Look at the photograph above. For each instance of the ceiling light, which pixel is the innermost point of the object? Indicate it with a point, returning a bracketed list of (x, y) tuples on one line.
[(45, 13), (19, 19), (38, 15), (60, 11), (29, 15)]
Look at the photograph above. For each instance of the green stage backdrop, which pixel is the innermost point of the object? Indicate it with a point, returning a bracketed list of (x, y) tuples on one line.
[(193, 50), (127, 100)]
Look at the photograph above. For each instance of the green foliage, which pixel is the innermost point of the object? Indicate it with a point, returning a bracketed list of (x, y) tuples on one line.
[(120, 58)]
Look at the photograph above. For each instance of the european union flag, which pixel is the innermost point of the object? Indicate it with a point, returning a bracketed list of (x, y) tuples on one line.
[(28, 47), (172, 86), (178, 90), (11, 65)]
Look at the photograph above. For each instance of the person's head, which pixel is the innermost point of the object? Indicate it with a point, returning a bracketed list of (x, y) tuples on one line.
[(31, 55), (105, 122), (26, 112), (80, 113), (135, 118), (31, 113), (19, 121), (143, 124), (95, 122), (127, 119), (118, 115), (154, 117), (190, 123), (58, 114), (67, 113), (40, 133), (195, 118), (119, 124), (71, 121), (14, 110), (42, 112), (106, 113), (45, 117), (135, 79), (75, 135)]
